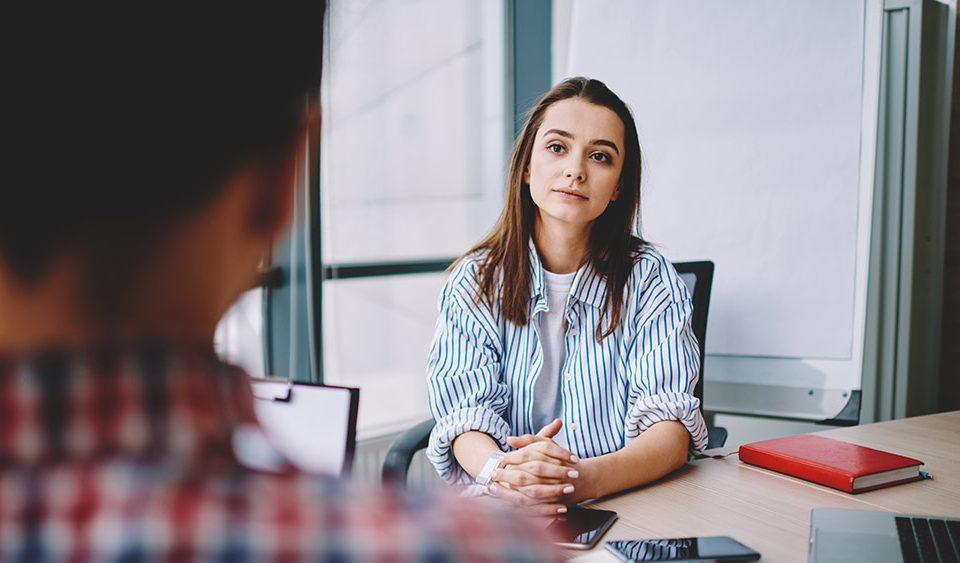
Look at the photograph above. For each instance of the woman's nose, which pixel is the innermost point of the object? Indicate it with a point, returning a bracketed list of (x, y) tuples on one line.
[(574, 173)]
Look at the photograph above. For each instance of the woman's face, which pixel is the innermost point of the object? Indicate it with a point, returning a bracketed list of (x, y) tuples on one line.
[(576, 161)]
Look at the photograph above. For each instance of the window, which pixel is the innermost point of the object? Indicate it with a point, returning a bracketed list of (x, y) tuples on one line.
[(413, 158)]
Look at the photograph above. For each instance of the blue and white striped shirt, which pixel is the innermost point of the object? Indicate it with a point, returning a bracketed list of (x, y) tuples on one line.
[(482, 367)]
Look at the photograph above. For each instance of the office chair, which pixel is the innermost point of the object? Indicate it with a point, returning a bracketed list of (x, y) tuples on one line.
[(698, 276)]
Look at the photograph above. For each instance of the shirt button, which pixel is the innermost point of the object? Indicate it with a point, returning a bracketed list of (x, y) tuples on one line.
[(573, 332), (573, 426), (569, 376)]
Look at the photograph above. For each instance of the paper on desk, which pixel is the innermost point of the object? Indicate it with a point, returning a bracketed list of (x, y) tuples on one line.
[(749, 115)]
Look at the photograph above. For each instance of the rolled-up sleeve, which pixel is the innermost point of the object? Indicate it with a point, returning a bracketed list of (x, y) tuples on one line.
[(466, 390), (665, 364)]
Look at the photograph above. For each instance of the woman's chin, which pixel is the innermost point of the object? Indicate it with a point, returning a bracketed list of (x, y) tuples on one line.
[(565, 214)]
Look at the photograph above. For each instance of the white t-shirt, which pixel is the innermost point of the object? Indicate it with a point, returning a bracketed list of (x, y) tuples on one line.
[(547, 399)]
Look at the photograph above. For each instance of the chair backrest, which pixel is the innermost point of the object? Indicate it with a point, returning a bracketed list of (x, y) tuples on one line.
[(313, 426), (699, 279)]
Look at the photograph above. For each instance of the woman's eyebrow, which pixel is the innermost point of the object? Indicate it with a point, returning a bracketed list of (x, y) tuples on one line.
[(606, 143), (560, 132), (568, 135)]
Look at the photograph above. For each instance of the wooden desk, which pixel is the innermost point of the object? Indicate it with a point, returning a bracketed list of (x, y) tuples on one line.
[(770, 512)]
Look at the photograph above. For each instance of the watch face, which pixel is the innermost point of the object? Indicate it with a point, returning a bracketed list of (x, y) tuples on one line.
[(486, 473)]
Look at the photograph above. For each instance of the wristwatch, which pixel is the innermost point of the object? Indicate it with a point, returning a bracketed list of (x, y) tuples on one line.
[(491, 465)]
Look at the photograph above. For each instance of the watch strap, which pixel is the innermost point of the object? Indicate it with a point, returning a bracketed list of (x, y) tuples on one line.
[(491, 465)]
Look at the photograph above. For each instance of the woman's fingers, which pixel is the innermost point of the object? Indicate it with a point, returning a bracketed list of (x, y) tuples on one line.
[(548, 470), (547, 493), (542, 450), (518, 442), (550, 448), (530, 504), (521, 441), (550, 430), (515, 477), (534, 473), (547, 432), (525, 455), (516, 457)]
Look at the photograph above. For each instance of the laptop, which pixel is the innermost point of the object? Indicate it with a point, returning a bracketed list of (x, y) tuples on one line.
[(866, 535)]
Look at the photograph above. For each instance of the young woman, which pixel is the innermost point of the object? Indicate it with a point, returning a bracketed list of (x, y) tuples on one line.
[(564, 340)]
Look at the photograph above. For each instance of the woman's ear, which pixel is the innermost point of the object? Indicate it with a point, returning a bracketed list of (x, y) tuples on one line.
[(526, 176)]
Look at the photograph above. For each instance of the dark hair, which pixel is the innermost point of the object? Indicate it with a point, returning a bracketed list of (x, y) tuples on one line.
[(125, 122), (613, 246)]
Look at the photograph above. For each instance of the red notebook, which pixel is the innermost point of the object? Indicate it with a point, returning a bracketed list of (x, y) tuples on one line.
[(833, 463)]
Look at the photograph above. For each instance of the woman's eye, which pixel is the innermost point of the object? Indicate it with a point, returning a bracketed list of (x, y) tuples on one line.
[(600, 157), (555, 148)]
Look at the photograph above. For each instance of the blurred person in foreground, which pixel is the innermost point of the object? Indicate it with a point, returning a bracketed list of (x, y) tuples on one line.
[(154, 166)]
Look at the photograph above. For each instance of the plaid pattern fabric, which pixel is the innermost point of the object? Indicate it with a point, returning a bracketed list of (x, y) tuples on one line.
[(128, 457)]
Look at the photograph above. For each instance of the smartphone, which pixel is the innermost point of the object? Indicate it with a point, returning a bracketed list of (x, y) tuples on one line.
[(580, 528), (713, 548)]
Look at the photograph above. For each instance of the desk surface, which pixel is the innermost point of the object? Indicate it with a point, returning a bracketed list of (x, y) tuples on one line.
[(770, 512)]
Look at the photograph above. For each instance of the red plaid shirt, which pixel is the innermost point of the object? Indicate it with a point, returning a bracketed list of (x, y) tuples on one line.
[(129, 457)]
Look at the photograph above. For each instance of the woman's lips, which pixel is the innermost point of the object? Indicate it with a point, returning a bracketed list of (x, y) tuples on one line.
[(571, 195)]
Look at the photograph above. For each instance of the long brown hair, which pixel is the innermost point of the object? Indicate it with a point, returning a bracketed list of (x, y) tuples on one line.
[(613, 246)]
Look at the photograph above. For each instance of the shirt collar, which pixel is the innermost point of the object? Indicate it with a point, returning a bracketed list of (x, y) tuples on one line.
[(588, 285), (178, 406)]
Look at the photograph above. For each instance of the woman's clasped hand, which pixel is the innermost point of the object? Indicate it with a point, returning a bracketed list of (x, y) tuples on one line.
[(538, 474)]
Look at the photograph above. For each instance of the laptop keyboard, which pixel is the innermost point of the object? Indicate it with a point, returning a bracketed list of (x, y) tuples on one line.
[(927, 540)]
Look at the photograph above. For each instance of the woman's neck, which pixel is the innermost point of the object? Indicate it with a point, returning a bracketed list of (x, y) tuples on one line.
[(562, 247)]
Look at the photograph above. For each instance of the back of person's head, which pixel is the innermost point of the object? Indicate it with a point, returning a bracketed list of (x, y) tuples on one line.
[(126, 121)]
